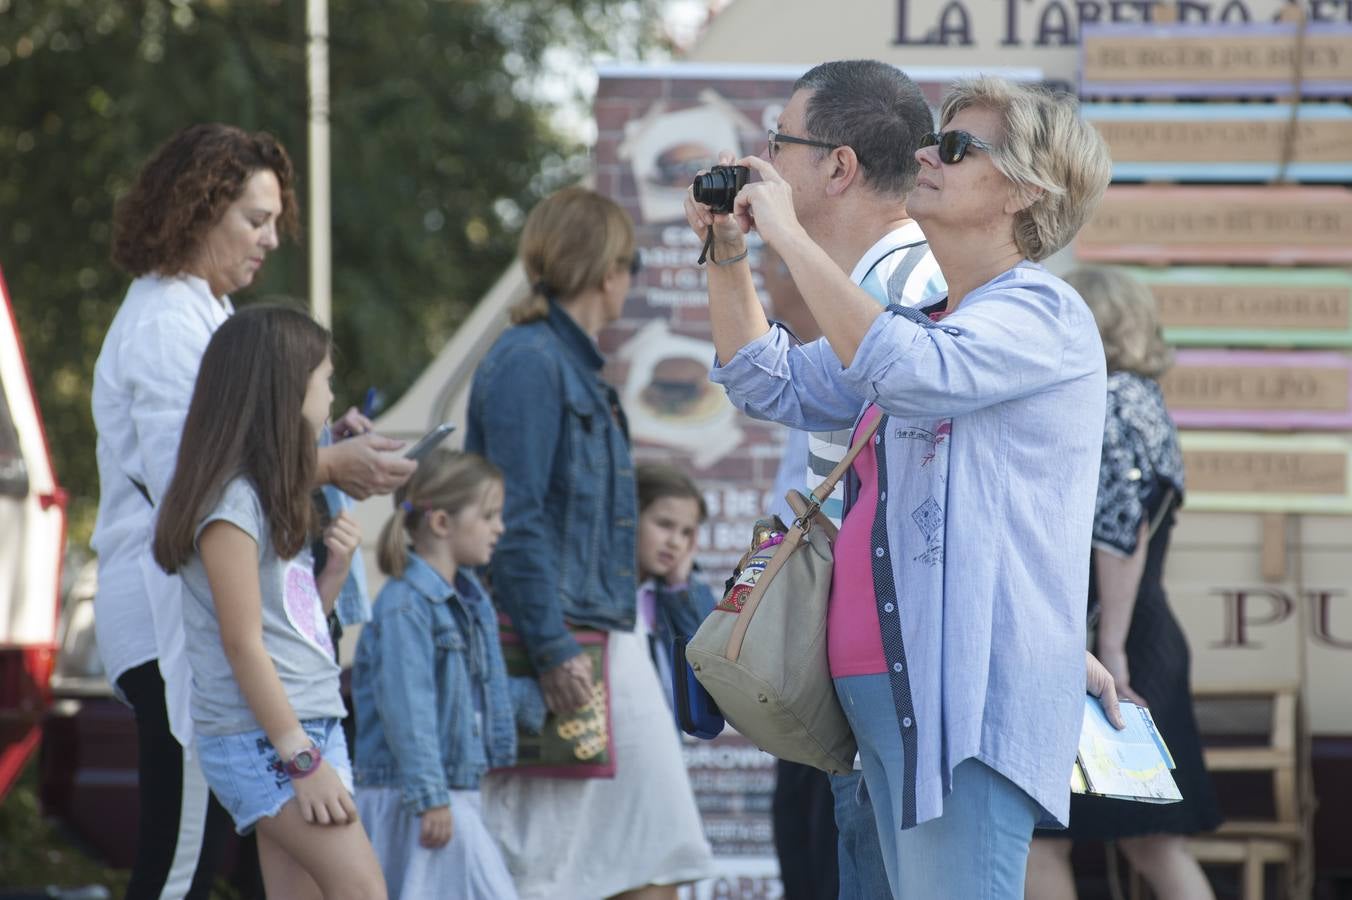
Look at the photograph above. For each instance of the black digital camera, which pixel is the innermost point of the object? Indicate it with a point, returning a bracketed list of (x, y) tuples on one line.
[(717, 187)]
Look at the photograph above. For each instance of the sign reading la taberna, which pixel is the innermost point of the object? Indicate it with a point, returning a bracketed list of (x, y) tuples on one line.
[(1043, 34), (1056, 23)]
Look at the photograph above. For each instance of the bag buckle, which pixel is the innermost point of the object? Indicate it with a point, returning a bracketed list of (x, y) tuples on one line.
[(814, 506)]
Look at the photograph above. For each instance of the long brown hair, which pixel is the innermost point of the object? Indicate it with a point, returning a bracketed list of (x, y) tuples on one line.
[(447, 479), (246, 419), (185, 188)]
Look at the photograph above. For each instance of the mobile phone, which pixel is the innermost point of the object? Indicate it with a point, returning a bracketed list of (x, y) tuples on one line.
[(428, 441)]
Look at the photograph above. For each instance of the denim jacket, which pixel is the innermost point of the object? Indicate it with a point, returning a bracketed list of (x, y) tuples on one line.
[(540, 411), (681, 608), (427, 651)]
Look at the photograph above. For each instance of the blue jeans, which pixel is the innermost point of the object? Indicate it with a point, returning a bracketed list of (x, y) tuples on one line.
[(977, 848), (859, 856)]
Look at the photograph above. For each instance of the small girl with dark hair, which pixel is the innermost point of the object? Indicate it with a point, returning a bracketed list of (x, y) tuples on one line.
[(235, 523), (672, 600), (431, 657)]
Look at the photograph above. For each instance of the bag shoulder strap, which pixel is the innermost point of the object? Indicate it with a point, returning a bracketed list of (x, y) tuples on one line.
[(792, 541), (823, 490)]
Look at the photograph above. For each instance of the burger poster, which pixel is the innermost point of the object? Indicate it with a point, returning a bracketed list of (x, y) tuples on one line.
[(657, 128), (667, 149)]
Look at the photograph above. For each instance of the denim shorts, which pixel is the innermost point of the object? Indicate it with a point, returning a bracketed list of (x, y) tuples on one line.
[(247, 776)]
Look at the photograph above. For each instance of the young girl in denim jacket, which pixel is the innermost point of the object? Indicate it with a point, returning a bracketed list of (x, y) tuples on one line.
[(435, 708), (672, 599), (235, 523)]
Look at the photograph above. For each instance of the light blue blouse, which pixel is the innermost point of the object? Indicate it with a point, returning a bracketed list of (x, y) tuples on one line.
[(984, 633)]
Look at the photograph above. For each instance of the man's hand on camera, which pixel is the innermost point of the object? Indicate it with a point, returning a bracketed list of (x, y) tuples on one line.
[(728, 238), (766, 205)]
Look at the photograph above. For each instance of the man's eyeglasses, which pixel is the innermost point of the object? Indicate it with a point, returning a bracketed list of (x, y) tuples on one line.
[(774, 138), (953, 145)]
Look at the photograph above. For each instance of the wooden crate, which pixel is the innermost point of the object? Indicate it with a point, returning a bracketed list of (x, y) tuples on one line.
[(1252, 307), (1225, 141), (1245, 472), (1249, 60), (1258, 389), (1160, 224)]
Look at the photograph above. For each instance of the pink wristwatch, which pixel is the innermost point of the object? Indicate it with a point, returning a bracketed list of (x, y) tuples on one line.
[(303, 762)]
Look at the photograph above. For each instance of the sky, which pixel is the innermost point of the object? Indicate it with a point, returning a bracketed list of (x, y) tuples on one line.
[(569, 80)]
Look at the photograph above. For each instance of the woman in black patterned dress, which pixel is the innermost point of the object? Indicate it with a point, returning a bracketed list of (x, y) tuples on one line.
[(1137, 637)]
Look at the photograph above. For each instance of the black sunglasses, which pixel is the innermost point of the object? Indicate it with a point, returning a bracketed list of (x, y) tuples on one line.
[(635, 265), (774, 138), (953, 145)]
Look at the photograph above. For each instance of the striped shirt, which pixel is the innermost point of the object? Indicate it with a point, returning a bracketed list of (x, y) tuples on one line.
[(898, 269)]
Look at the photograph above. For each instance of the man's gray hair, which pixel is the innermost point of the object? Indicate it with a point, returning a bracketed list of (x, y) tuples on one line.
[(876, 110)]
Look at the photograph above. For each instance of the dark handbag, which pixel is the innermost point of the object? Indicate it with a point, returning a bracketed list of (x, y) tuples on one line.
[(696, 712), (580, 744)]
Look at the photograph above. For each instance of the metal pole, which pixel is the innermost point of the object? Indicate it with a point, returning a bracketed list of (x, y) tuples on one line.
[(321, 252)]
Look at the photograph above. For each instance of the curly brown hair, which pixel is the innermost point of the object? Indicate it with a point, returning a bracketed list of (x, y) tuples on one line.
[(185, 188)]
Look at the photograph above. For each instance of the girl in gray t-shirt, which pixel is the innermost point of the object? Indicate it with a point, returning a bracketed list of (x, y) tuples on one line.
[(235, 522)]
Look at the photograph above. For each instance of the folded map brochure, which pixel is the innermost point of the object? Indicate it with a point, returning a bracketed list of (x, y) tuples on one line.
[(1132, 764)]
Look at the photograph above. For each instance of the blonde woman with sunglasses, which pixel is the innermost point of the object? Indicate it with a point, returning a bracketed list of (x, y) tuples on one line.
[(956, 626)]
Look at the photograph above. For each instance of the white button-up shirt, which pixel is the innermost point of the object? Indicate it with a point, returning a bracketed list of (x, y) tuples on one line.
[(143, 383)]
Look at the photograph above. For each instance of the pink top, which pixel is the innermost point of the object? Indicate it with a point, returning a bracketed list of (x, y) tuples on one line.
[(854, 643)]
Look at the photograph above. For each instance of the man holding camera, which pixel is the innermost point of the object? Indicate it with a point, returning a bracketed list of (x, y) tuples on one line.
[(845, 143)]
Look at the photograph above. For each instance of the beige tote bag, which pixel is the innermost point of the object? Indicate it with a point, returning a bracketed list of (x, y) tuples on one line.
[(762, 655)]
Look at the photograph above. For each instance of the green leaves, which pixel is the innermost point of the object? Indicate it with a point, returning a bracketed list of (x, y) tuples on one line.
[(438, 146)]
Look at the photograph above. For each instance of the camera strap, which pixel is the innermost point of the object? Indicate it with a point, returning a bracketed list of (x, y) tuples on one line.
[(708, 252)]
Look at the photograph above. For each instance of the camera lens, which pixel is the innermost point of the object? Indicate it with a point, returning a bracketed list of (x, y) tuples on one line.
[(719, 186)]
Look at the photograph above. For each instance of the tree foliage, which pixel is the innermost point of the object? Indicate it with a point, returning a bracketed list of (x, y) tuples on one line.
[(438, 145)]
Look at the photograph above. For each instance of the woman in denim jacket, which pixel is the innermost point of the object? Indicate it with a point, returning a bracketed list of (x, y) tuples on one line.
[(431, 657), (540, 411)]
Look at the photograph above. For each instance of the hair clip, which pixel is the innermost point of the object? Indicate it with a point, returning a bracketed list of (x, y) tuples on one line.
[(407, 506)]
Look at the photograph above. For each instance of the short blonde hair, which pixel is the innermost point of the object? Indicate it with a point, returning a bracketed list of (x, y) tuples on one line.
[(571, 240), (1127, 317), (1046, 146)]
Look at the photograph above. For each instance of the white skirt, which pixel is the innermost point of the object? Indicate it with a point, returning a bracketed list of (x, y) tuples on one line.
[(469, 867), (586, 839)]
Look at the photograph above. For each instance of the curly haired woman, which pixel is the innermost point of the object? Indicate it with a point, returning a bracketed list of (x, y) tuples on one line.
[(207, 209)]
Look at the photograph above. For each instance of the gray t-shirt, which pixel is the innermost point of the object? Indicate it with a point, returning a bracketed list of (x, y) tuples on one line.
[(295, 631)]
